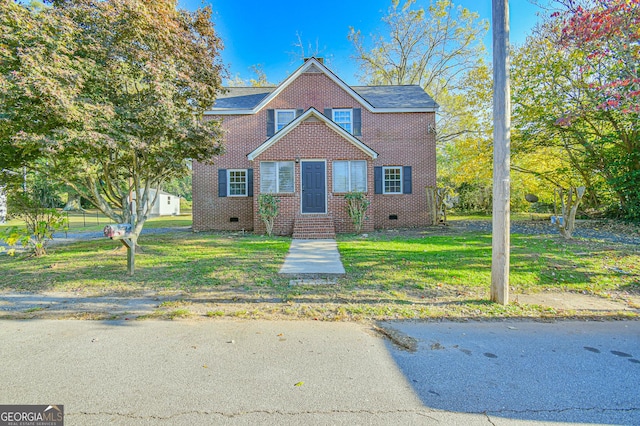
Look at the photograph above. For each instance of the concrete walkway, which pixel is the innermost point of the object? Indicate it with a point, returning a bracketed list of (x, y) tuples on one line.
[(313, 257)]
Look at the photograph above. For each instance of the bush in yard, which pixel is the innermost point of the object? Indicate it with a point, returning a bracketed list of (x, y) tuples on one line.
[(40, 224), (357, 205), (268, 210)]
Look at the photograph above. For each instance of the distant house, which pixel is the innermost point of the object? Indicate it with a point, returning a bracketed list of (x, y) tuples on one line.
[(311, 140), (3, 205), (166, 204)]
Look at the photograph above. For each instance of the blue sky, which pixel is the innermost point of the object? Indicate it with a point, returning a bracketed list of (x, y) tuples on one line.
[(264, 32)]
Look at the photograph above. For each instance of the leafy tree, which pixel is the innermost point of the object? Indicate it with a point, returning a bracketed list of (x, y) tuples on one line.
[(541, 84), (466, 164), (180, 187), (128, 82), (606, 34), (40, 78), (434, 48), (581, 97), (260, 79)]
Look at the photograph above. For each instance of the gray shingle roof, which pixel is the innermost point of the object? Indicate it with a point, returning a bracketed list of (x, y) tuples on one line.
[(378, 96), (396, 96), (242, 97)]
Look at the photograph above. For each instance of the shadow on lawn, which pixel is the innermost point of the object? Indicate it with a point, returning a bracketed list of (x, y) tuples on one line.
[(167, 262), (536, 262), (436, 271)]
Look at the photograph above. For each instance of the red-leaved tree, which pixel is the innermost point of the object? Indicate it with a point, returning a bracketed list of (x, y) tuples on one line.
[(603, 37)]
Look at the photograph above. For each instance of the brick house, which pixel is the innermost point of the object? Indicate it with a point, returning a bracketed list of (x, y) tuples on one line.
[(309, 141)]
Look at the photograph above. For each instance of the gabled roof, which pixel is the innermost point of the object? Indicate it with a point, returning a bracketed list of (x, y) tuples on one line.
[(242, 97), (311, 112), (250, 100), (412, 96)]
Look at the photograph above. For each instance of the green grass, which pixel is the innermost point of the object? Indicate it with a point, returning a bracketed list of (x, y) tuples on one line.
[(451, 265), (93, 220), (180, 261), (389, 275)]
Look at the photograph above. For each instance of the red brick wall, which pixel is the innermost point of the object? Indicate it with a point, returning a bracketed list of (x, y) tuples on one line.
[(400, 139), (311, 141)]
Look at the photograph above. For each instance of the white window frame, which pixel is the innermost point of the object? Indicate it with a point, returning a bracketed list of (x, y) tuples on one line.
[(278, 112), (384, 179), (278, 166), (349, 177), (246, 182), (341, 124)]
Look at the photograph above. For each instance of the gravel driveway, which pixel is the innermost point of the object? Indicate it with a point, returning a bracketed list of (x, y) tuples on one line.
[(584, 229)]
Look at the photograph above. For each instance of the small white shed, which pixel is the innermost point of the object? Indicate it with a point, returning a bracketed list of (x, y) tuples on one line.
[(3, 205), (166, 204)]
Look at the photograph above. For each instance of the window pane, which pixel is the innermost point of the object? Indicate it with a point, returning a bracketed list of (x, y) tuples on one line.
[(342, 117), (285, 176), (283, 118), (237, 182), (359, 176), (392, 180), (340, 176), (268, 177)]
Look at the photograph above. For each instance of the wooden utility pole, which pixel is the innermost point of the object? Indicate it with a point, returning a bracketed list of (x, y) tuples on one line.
[(501, 154)]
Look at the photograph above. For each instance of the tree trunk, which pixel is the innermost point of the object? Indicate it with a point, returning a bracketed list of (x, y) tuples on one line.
[(432, 204), (73, 203), (569, 207)]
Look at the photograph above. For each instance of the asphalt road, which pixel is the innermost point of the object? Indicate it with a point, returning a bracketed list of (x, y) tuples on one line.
[(581, 372), (305, 372)]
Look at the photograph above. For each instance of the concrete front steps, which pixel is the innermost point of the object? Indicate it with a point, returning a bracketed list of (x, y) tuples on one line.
[(314, 227)]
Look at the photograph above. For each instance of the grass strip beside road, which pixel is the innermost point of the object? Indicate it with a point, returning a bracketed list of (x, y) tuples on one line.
[(414, 275)]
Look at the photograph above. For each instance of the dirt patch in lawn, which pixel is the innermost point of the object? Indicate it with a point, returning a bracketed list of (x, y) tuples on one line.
[(175, 305), (567, 302)]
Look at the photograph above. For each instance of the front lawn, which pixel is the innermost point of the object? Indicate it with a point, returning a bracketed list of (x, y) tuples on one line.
[(416, 274), (449, 265), (172, 261)]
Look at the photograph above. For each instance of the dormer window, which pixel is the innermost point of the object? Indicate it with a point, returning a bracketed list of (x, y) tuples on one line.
[(279, 118), (349, 119), (344, 118), (284, 117)]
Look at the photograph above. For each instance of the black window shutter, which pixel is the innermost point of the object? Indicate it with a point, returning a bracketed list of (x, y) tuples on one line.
[(249, 182), (377, 180), (406, 180), (271, 122), (357, 122), (222, 182), (328, 112), (299, 112)]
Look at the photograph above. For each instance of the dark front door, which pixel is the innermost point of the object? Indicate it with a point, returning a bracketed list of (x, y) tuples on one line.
[(313, 187)]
